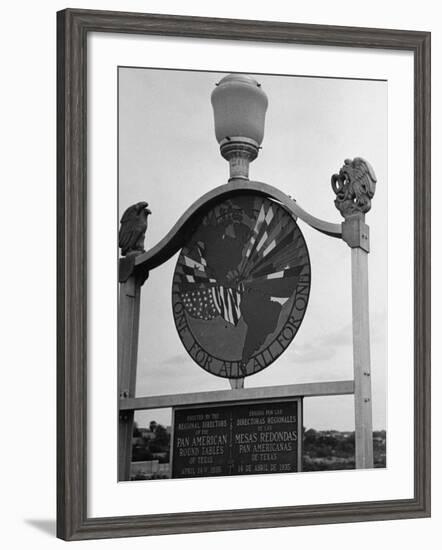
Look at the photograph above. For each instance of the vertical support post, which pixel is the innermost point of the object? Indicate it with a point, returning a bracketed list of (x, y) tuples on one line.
[(131, 242), (361, 359), (300, 433), (356, 234), (171, 444), (236, 383), (355, 186), (128, 323)]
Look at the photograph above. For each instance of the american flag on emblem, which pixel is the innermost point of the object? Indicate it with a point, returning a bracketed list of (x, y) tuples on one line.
[(227, 302), (207, 303), (202, 297)]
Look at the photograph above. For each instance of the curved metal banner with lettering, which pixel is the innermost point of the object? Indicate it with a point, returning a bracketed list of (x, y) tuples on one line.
[(241, 286)]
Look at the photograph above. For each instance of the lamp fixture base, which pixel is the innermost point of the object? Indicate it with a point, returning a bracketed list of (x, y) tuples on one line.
[(240, 152)]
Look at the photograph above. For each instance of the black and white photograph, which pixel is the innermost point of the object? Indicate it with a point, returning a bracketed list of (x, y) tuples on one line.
[(253, 263), (218, 325)]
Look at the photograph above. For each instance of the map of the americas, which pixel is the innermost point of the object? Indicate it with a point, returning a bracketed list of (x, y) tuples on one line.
[(241, 286)]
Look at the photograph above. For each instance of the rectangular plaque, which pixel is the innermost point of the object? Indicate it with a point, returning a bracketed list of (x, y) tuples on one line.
[(255, 438)]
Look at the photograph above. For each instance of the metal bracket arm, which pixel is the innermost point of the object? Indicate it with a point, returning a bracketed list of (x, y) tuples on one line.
[(175, 238)]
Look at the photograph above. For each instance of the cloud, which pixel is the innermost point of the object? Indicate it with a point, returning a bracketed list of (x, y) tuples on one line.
[(175, 359), (324, 347)]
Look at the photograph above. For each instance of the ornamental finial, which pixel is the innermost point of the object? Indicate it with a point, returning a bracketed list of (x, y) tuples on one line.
[(354, 187)]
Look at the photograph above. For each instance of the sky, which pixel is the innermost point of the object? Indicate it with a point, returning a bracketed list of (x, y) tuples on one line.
[(169, 157)]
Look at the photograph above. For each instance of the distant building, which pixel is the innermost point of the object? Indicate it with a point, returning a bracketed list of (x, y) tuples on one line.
[(150, 468)]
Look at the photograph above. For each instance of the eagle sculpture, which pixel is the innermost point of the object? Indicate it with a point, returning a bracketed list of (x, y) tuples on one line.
[(133, 228), (354, 187)]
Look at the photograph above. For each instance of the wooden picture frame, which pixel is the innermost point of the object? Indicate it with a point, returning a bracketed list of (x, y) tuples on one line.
[(73, 27)]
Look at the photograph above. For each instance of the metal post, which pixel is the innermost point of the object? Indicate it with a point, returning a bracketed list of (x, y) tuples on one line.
[(128, 323), (361, 359), (236, 383), (355, 186), (356, 234), (300, 427)]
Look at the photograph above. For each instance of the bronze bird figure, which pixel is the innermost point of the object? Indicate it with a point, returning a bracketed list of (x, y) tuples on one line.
[(133, 226)]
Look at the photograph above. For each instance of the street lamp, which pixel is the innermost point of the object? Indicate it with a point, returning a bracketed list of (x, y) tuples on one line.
[(239, 108)]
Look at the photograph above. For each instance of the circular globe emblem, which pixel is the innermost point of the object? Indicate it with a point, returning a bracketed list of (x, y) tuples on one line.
[(241, 286)]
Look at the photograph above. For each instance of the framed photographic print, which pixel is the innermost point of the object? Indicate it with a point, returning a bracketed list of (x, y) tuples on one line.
[(243, 274)]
